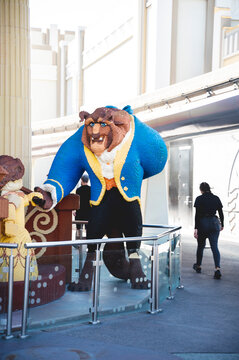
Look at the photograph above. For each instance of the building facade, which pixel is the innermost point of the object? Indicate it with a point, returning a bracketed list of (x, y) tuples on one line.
[(176, 62)]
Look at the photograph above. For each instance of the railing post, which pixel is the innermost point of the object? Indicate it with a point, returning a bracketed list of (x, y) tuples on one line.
[(79, 235), (81, 248), (10, 296), (81, 231), (154, 299), (170, 297), (26, 297), (96, 289), (180, 286)]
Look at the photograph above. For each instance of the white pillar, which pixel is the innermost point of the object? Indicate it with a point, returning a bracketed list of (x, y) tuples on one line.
[(159, 40), (54, 37), (63, 55), (139, 34), (79, 66), (163, 43), (156, 203), (15, 128)]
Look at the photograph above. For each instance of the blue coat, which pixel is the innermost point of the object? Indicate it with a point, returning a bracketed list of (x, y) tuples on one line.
[(143, 155)]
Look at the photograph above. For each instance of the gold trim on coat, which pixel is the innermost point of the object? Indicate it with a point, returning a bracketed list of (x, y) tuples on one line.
[(119, 162), (95, 166)]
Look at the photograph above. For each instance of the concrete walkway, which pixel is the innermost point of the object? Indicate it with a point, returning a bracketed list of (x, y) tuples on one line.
[(200, 323)]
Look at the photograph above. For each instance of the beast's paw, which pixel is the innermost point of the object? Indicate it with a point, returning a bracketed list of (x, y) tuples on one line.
[(141, 284), (79, 287), (138, 278)]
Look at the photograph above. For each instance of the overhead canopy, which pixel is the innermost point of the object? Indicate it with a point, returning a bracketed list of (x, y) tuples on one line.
[(204, 104), (215, 114)]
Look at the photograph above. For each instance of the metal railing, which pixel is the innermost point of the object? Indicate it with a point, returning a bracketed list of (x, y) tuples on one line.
[(10, 289), (154, 299), (154, 290)]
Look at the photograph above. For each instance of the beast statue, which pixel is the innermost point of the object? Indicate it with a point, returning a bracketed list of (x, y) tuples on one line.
[(118, 151)]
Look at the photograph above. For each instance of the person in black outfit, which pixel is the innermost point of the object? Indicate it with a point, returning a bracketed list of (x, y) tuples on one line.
[(83, 191), (207, 225)]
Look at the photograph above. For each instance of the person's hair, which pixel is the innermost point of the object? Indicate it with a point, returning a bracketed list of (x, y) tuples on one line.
[(204, 187), (85, 178), (14, 169)]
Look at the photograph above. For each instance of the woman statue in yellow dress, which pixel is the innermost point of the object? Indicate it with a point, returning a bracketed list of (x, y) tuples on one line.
[(12, 228)]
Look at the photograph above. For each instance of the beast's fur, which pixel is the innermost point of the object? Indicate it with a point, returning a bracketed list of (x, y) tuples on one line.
[(117, 124)]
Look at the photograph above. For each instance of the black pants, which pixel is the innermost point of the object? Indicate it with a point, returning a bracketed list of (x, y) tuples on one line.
[(116, 216), (209, 228)]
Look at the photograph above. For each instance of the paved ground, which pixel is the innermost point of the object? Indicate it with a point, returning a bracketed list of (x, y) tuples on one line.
[(201, 323)]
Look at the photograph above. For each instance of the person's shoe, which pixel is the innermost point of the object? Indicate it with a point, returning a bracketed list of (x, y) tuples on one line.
[(197, 268), (217, 274)]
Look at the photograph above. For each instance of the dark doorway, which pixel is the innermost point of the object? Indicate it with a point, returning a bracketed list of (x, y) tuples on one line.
[(181, 182)]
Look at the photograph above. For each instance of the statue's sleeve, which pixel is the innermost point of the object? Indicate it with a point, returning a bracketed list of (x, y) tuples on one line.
[(152, 149), (66, 169)]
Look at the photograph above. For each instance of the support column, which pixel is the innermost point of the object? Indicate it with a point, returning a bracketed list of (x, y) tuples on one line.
[(156, 205), (80, 35), (139, 32), (15, 127), (163, 14), (63, 56)]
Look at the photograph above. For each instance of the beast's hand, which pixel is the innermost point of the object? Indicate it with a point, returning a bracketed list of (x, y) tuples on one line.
[(32, 195), (46, 202)]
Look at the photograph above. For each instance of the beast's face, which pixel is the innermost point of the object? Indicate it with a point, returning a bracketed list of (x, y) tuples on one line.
[(104, 129), (98, 134)]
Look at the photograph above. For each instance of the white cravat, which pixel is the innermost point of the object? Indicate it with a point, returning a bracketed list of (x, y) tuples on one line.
[(106, 159)]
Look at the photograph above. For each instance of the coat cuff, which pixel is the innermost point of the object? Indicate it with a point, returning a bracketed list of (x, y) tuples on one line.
[(52, 190)]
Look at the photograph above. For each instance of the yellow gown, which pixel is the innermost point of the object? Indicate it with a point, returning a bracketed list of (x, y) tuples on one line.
[(12, 230)]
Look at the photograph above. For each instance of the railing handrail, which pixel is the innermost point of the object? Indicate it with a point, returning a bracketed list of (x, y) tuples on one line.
[(82, 222), (160, 226), (100, 241), (8, 245), (85, 242)]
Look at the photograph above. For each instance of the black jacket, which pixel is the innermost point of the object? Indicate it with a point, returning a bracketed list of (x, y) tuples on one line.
[(207, 205)]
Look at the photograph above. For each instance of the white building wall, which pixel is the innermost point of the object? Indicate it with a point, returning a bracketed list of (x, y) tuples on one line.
[(43, 99), (235, 9), (190, 38), (70, 96), (49, 91), (71, 77), (215, 162), (41, 168), (156, 200), (112, 78), (36, 36), (221, 16), (158, 40), (111, 75), (151, 41), (43, 81)]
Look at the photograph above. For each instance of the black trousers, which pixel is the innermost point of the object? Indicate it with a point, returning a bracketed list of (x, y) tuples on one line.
[(115, 217)]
